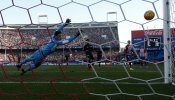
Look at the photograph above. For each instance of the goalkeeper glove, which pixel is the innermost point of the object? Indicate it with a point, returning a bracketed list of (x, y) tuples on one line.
[(67, 22)]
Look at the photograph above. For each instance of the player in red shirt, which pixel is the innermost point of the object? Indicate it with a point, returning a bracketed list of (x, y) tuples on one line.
[(128, 52)]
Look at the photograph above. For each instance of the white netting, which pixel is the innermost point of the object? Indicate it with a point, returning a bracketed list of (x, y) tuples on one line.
[(27, 25), (172, 18)]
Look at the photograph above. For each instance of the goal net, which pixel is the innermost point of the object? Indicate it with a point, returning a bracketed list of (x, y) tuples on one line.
[(69, 73)]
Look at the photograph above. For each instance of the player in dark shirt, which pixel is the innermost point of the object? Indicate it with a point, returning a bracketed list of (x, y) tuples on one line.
[(67, 58), (88, 48), (99, 56)]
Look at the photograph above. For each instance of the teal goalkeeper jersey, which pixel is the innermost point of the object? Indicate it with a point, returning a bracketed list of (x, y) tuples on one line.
[(50, 47)]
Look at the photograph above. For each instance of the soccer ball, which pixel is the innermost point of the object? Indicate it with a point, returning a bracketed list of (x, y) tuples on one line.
[(149, 15)]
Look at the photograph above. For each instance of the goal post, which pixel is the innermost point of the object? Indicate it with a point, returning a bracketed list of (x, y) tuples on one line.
[(167, 42)]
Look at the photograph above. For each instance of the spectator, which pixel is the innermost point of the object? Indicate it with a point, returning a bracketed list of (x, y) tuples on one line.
[(142, 55)]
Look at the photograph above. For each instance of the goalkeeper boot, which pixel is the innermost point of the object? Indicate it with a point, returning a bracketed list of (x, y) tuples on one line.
[(22, 72), (18, 66)]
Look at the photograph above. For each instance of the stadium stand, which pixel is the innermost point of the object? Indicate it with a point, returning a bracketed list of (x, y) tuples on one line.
[(23, 39)]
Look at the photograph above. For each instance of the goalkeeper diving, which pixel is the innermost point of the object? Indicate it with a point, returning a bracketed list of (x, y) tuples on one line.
[(37, 58)]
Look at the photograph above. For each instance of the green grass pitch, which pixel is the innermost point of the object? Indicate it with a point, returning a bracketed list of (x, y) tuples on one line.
[(76, 82)]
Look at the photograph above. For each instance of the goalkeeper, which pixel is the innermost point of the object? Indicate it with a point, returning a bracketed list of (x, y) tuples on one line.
[(38, 56)]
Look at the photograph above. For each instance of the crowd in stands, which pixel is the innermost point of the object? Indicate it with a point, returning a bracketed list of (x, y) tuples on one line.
[(33, 38), (29, 40)]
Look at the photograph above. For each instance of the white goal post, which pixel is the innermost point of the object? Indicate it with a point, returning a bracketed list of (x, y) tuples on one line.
[(168, 58)]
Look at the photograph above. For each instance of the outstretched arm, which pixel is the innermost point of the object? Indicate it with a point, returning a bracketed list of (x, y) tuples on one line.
[(68, 40), (60, 27)]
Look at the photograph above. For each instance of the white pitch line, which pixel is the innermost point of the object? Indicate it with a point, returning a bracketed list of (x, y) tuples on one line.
[(46, 82), (83, 71)]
